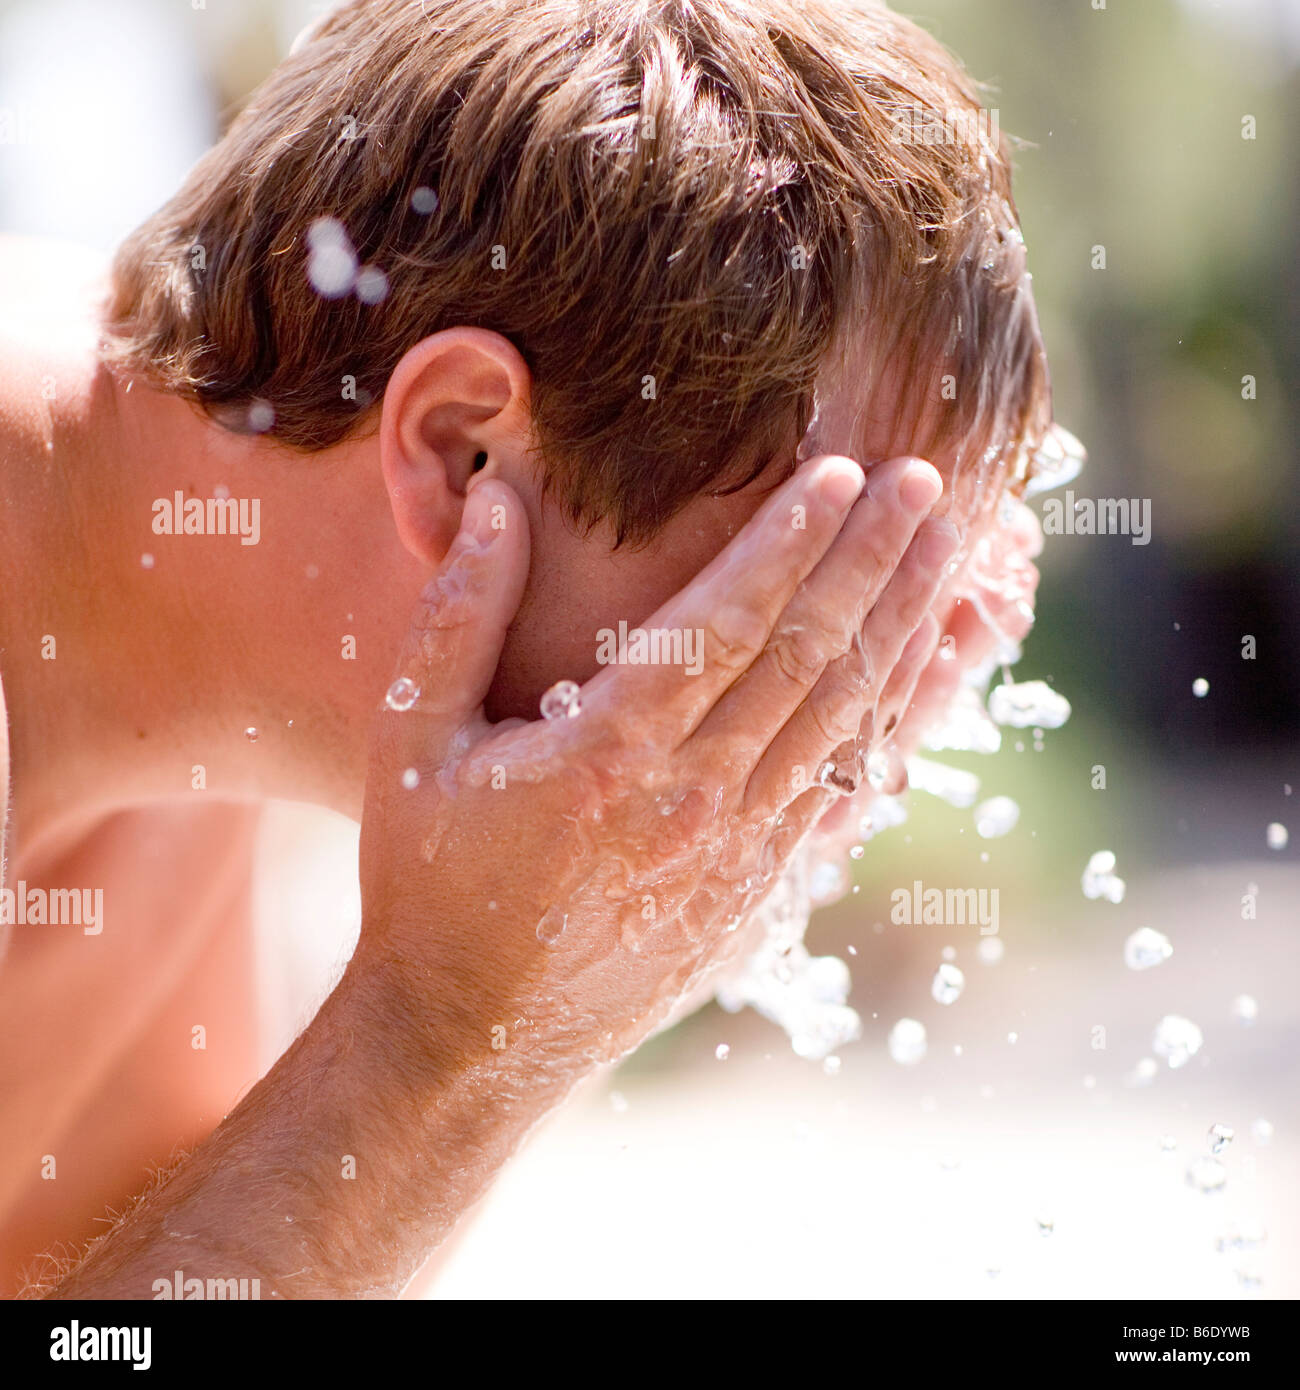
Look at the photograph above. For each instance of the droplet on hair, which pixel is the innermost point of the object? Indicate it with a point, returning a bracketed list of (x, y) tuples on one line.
[(332, 263), (372, 285), (261, 417)]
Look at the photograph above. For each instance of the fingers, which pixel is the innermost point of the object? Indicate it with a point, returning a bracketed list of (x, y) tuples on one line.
[(454, 641), (734, 603), (912, 662), (836, 706), (823, 620)]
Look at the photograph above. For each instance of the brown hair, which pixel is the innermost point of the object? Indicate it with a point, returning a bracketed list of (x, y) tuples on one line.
[(676, 209)]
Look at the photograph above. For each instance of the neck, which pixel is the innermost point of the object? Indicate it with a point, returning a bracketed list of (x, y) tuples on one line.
[(139, 648)]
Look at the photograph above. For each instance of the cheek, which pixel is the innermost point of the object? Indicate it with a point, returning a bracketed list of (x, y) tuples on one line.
[(577, 586)]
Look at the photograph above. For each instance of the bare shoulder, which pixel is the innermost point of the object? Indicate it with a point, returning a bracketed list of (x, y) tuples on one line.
[(4, 787), (48, 332)]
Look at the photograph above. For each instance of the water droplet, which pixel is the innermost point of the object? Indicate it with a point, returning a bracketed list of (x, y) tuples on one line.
[(827, 882), (857, 852), (1261, 1130), (402, 694), (424, 200), (410, 779), (948, 953), (618, 1102), (1045, 1225), (551, 927), (146, 562), (1277, 835), (951, 784), (1247, 1237), (878, 767), (1145, 948), (907, 1041), (996, 816), (1219, 1137), (1207, 1174), (1144, 1073), (331, 262), (886, 812), (251, 735), (1013, 1038), (966, 727), (562, 701), (947, 985), (990, 950), (1176, 1039), (1200, 687), (372, 285), (722, 1052), (1025, 703), (1245, 1008), (1100, 880), (260, 418), (831, 1065)]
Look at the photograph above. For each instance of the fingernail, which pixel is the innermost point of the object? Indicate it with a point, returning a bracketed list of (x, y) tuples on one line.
[(476, 518), (920, 487), (939, 543), (842, 485)]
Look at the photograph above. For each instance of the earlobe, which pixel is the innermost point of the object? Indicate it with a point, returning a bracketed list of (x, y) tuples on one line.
[(455, 409)]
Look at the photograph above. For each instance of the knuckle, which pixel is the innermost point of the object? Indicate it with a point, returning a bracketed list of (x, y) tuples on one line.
[(800, 653), (836, 704), (734, 635)]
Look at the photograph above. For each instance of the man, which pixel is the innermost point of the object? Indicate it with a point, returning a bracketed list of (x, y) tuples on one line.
[(521, 319)]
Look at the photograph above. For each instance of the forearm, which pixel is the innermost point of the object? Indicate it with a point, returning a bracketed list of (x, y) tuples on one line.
[(343, 1169)]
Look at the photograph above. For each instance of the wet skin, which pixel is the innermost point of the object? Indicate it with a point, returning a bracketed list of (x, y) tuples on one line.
[(101, 734)]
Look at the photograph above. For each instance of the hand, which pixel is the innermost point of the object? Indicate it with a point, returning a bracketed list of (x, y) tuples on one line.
[(547, 891), (987, 601)]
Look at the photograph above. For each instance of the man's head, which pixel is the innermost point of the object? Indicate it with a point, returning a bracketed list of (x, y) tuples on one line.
[(617, 252)]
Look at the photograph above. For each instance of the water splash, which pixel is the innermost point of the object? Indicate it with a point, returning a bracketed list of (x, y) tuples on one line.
[(562, 701), (402, 694), (951, 784), (1245, 1009), (947, 985), (551, 927), (990, 950), (331, 261), (803, 994), (1219, 1137), (1207, 1174), (967, 727), (996, 817), (1177, 1040), (1100, 880), (1146, 948), (907, 1042), (1023, 704), (1058, 460)]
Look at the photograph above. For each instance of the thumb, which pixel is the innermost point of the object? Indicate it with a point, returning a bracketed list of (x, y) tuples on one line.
[(454, 641)]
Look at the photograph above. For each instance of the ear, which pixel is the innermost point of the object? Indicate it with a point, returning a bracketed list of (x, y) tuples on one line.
[(455, 409)]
